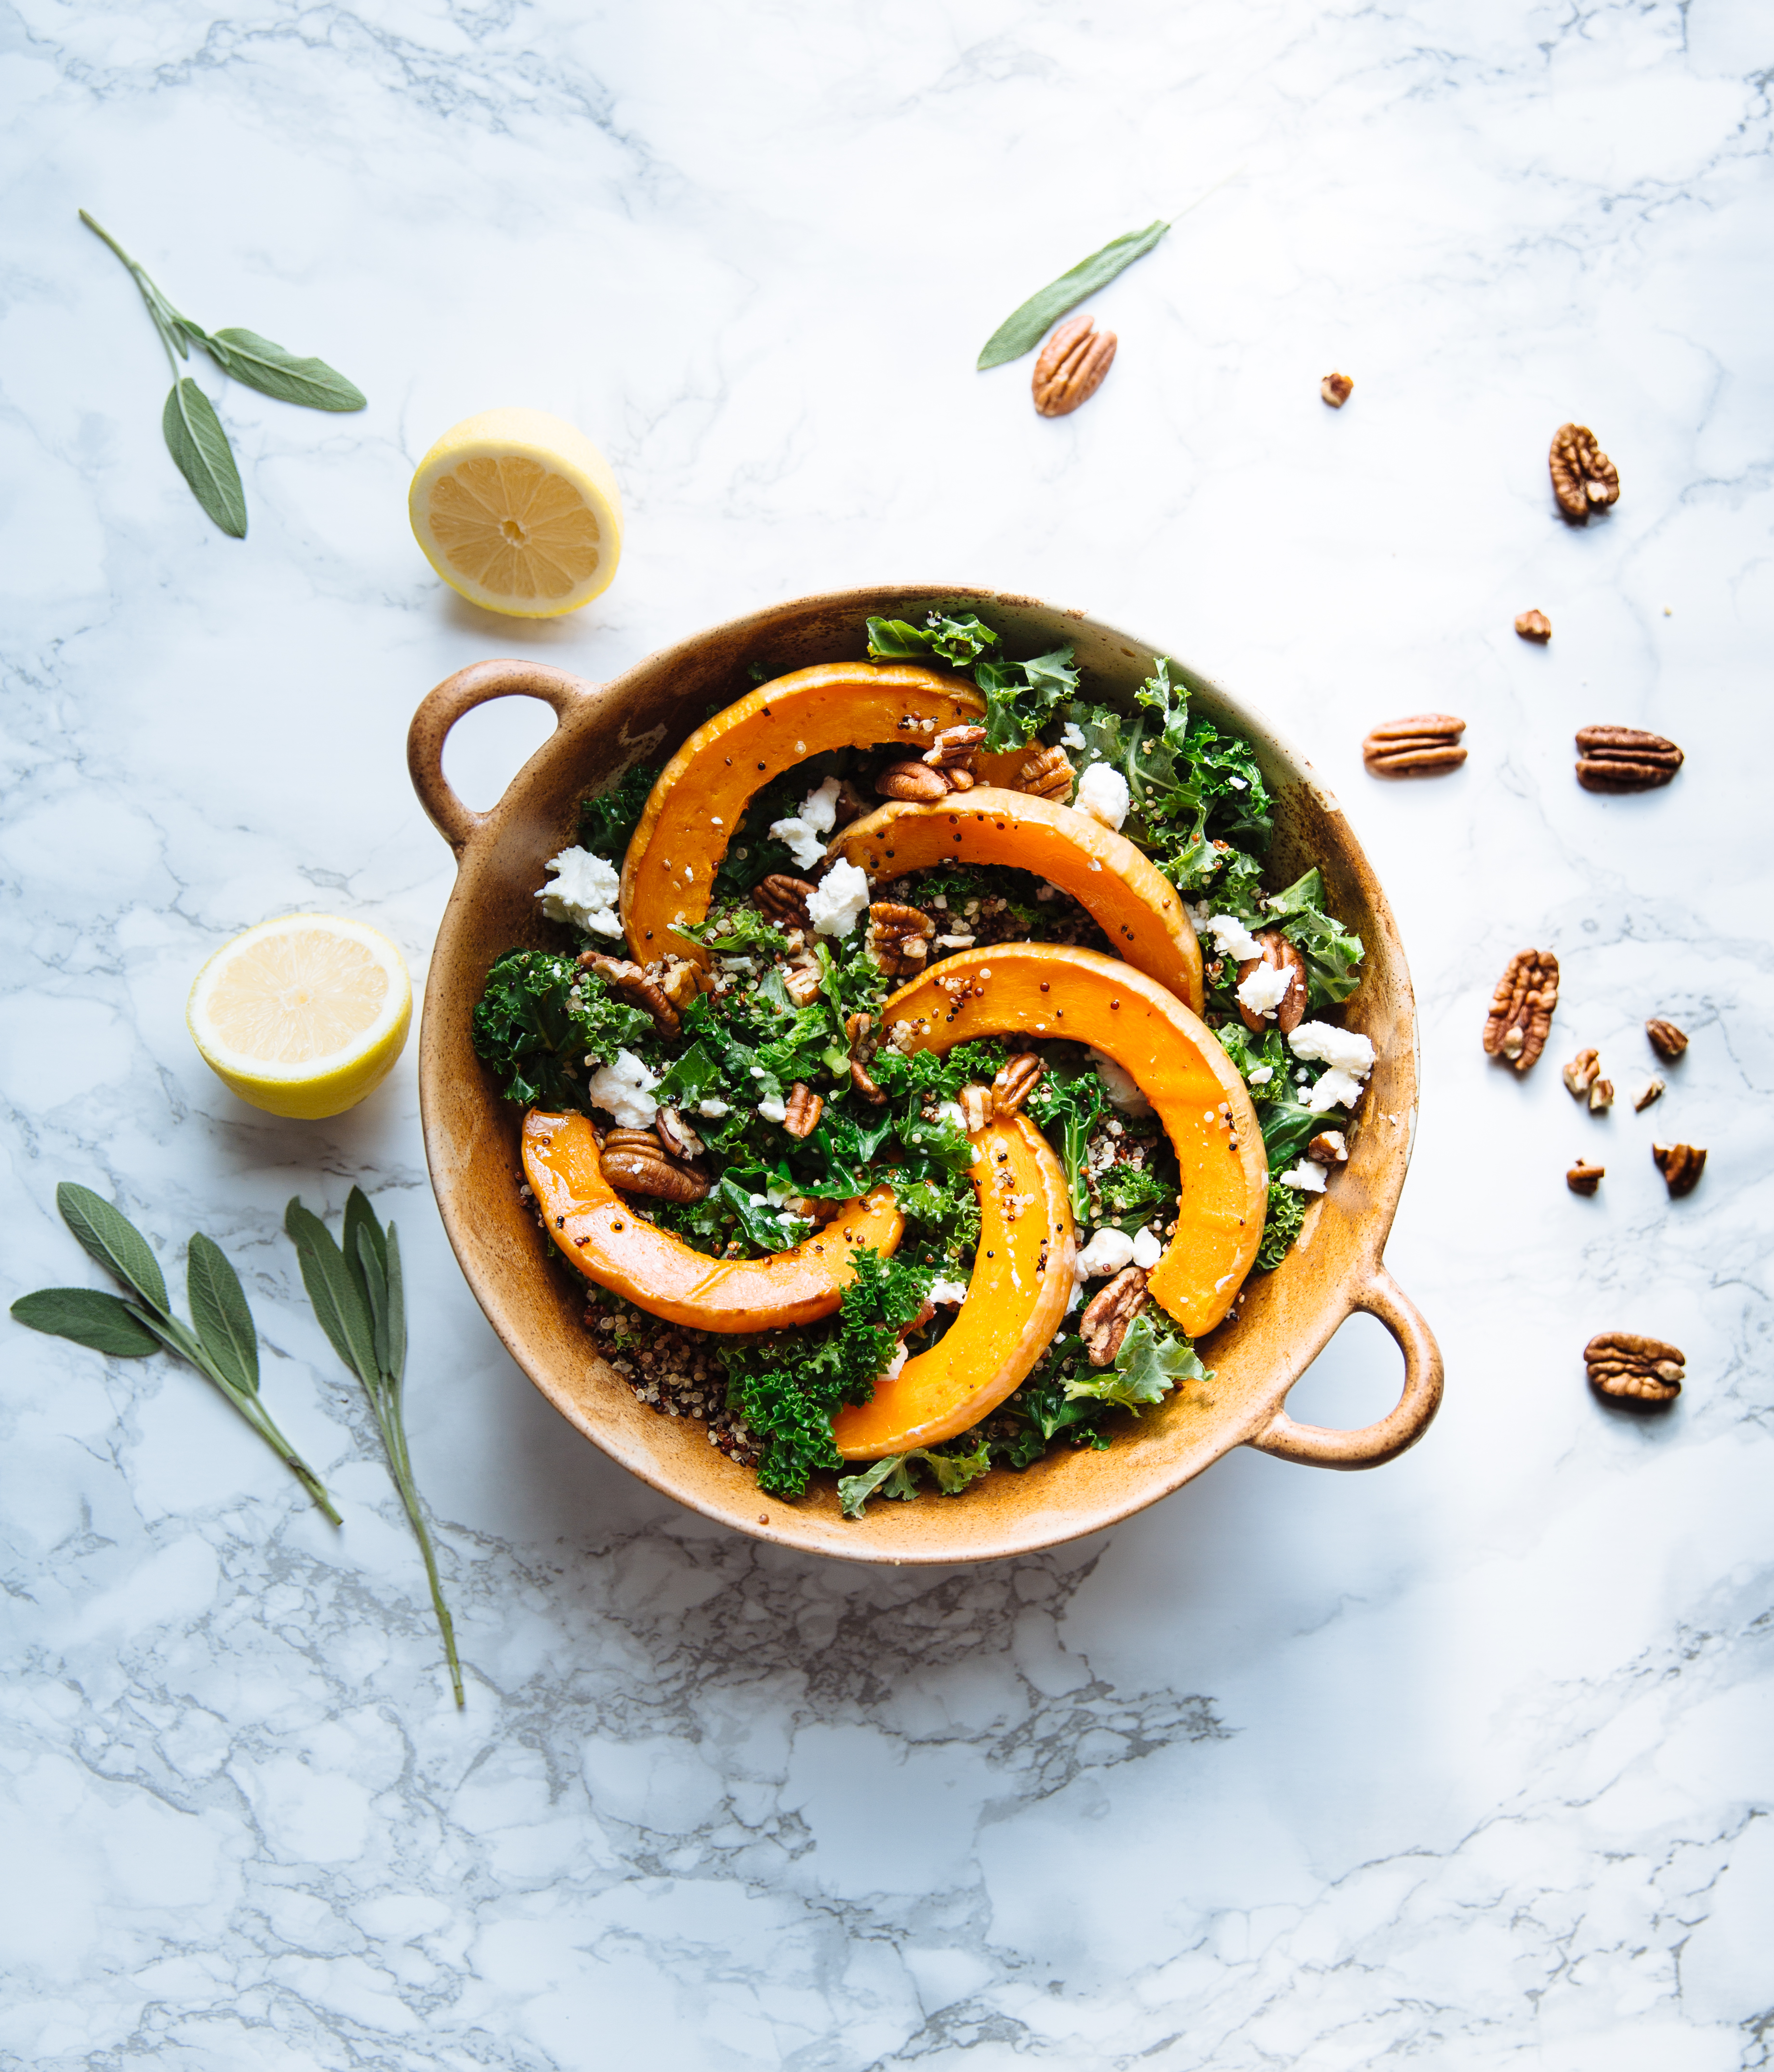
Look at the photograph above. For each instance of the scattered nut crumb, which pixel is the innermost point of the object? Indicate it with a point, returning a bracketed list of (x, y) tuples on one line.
[(1653, 1090), (1534, 626), (1584, 1178), (1681, 1165), (1336, 389), (1666, 1039)]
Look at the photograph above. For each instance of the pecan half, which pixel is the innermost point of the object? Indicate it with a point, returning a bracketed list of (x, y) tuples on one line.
[(1016, 1080), (1584, 1178), (1681, 1165), (1534, 626), (1071, 366), (915, 781), (865, 1086), (1624, 759), (633, 984), (805, 1109), (900, 937), (1328, 1147), (680, 981), (1279, 955), (802, 983), (1654, 1089), (1666, 1039), (1583, 477), (1633, 1368), (1107, 1316), (679, 1139), (783, 899), (1047, 772), (1522, 1009), (1425, 745), (956, 748), (1580, 1074), (635, 1162), (1336, 389)]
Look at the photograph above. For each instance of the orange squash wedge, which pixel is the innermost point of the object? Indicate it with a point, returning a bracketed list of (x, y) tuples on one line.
[(702, 792), (1036, 989), (598, 1230), (1016, 1300), (1123, 892)]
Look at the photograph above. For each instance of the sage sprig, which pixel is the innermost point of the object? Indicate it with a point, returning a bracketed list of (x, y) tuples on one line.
[(193, 434), (359, 1298), (1025, 327), (224, 1346)]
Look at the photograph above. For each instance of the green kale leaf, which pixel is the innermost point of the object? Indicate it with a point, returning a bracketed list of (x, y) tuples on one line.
[(1129, 1193), (1070, 1100), (608, 821), (1287, 1207), (541, 1017), (1332, 954), (1022, 697), (1150, 1362), (959, 641), (893, 1476)]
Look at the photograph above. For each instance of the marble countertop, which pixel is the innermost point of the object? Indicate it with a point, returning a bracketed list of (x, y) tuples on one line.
[(1464, 1761)]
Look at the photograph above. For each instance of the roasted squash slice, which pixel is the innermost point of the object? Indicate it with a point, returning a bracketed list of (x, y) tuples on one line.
[(600, 1233), (1016, 1300), (1033, 989), (702, 792), (1123, 893)]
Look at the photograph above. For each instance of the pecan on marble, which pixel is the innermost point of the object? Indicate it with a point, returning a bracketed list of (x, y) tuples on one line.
[(1666, 1039), (1047, 773), (900, 937), (1107, 1316), (1534, 626), (915, 781), (1653, 1089), (1584, 1178), (1522, 1009), (1582, 1073), (1279, 955), (1583, 477), (1634, 1369), (804, 1109), (1016, 1080), (1425, 745), (1071, 367), (634, 986), (1624, 759), (1336, 389), (1681, 1165), (1601, 1096), (635, 1162), (783, 899)]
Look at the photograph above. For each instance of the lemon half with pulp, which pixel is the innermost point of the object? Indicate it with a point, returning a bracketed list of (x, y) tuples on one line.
[(303, 1016), (519, 513)]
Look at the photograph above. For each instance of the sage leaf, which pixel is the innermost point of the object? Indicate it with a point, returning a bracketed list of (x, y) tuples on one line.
[(103, 1323), (275, 371), (360, 1217), (376, 1291), (1024, 328), (113, 1241), (200, 446), (395, 1365), (337, 1301), (224, 1323)]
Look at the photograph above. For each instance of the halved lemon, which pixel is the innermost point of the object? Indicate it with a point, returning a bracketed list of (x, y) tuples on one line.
[(303, 1016), (519, 513)]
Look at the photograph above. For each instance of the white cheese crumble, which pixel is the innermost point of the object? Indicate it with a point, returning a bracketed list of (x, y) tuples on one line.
[(1107, 1252), (1122, 1087), (841, 895), (1102, 794), (893, 1365), (948, 1291), (624, 1086), (1336, 1089), (1147, 1249), (1348, 1049), (1262, 1076), (1073, 735), (1306, 1176), (1232, 939), (805, 833), (772, 1109), (1266, 988), (584, 892), (714, 1109)]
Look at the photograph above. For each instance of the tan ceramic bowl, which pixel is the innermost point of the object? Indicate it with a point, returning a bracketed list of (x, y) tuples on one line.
[(535, 1304)]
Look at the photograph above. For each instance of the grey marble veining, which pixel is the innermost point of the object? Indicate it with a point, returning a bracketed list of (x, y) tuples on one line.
[(1464, 1762)]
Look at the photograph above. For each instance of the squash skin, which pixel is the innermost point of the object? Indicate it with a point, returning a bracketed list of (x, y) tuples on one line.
[(840, 705), (1016, 1301), (1135, 906), (598, 1230), (1175, 1060)]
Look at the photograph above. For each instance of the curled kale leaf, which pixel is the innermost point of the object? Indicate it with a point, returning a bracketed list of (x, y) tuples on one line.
[(1333, 956), (608, 819), (959, 640), (541, 1017)]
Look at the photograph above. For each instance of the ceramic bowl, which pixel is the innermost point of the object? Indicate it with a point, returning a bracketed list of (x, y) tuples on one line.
[(535, 1304)]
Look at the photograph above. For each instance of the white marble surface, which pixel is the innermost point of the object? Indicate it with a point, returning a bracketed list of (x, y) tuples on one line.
[(1464, 1762)]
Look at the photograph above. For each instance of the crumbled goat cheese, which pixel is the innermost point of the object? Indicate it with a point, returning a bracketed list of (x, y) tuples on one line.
[(840, 896), (1308, 1178), (1122, 1087), (948, 1291), (1073, 735), (1102, 793), (1232, 939), (1336, 1089), (624, 1086), (1044, 891), (1266, 988), (1107, 1252), (805, 833), (584, 892), (1262, 1076), (714, 1109), (773, 1109), (1147, 1251), (1348, 1049), (893, 1365)]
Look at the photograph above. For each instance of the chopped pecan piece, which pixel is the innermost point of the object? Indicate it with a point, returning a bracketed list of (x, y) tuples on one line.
[(900, 937), (1279, 955), (805, 1109), (857, 1033), (1534, 626), (1624, 759), (1328, 1147), (1107, 1316), (1048, 772), (1071, 366), (679, 1139), (1666, 1039), (635, 1162), (1016, 1080), (1336, 389), (1426, 745), (1583, 477), (1601, 1096), (1580, 1074), (680, 981), (1634, 1369), (1584, 1178), (865, 1086), (633, 984), (915, 781), (1653, 1089), (1681, 1165), (783, 899), (815, 1208), (975, 1103), (801, 982), (1522, 1009), (956, 748)]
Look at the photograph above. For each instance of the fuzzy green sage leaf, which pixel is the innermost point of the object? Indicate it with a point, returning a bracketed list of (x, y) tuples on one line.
[(113, 1241), (275, 370), (219, 1310), (103, 1323), (199, 447), (1024, 328)]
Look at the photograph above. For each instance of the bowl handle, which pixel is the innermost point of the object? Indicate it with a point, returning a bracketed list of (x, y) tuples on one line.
[(1319, 1446), (439, 710)]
